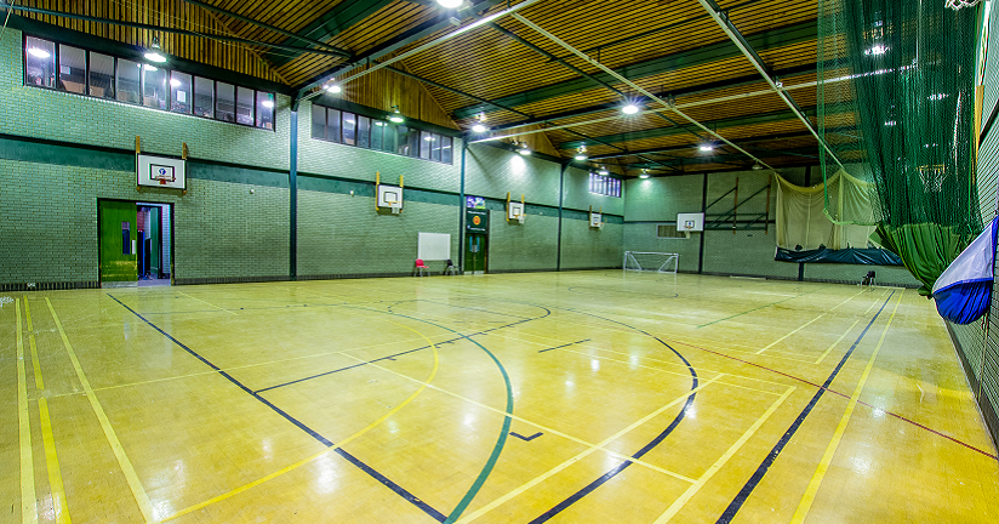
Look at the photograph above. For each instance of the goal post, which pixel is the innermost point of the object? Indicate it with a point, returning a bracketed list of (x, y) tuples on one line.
[(651, 261)]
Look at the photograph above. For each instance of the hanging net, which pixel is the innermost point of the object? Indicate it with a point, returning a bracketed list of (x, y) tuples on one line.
[(896, 105)]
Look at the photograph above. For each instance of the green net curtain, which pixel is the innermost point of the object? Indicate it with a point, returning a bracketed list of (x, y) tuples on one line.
[(896, 104)]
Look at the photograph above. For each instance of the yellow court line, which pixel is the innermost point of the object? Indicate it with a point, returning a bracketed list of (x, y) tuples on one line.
[(340, 444), (59, 505), (29, 507), (692, 490), (813, 487), (775, 342), (838, 340), (548, 474), (209, 303), (119, 452)]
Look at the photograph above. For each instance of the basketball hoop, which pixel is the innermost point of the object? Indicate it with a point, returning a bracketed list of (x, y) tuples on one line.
[(396, 207), (958, 4)]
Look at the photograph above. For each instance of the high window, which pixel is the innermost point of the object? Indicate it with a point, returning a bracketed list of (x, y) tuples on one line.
[(605, 185), (343, 127), (71, 69)]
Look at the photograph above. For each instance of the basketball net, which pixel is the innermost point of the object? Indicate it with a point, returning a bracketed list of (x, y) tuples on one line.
[(958, 4)]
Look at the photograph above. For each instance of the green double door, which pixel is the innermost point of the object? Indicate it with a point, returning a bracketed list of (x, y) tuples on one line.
[(476, 251), (118, 229)]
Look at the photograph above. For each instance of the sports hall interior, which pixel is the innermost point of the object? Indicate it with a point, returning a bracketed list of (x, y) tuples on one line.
[(215, 217)]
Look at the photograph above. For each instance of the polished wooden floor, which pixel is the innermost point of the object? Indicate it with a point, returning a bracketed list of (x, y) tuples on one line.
[(579, 397)]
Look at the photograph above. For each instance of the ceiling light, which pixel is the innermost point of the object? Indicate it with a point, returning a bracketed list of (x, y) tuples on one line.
[(877, 49), (890, 123), (147, 67), (523, 149), (706, 148), (38, 52), (450, 4), (479, 128), (396, 117), (603, 171), (153, 54), (757, 166), (645, 174), (629, 109), (334, 88), (174, 82), (581, 154)]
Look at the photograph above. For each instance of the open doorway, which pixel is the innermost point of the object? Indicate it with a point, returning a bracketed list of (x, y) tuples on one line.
[(135, 242)]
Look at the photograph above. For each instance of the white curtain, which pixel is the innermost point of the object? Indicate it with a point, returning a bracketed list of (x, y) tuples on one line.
[(802, 219)]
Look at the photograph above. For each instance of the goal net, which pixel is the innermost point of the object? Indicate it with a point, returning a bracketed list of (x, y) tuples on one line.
[(651, 261)]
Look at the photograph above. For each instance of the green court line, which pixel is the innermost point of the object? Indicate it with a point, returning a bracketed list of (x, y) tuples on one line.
[(487, 469), (761, 307)]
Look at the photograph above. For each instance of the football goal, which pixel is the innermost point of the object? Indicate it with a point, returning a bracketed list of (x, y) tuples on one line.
[(651, 261)]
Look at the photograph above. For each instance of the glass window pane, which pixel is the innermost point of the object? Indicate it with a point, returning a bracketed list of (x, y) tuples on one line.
[(377, 128), (101, 75), (204, 97), (154, 87), (333, 125), (39, 62), (265, 110), (414, 142), (318, 122), (349, 126), (426, 141), (435, 152), (72, 69), (127, 81), (402, 140), (180, 92), (244, 106), (446, 149), (389, 139), (363, 131), (225, 102)]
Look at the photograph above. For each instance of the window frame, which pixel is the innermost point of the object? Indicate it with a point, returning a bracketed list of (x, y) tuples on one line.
[(390, 142)]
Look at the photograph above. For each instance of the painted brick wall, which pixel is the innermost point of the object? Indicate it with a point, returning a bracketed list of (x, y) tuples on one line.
[(340, 234), (660, 199), (642, 237), (532, 245), (53, 115), (492, 172), (577, 194), (586, 247)]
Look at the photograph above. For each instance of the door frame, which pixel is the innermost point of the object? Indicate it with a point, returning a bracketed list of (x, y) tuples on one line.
[(169, 205)]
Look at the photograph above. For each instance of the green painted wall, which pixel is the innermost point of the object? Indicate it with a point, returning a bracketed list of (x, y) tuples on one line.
[(492, 172), (577, 194), (522, 247), (660, 199), (586, 247)]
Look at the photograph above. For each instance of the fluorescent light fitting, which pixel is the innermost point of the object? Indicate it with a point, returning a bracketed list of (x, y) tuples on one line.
[(450, 4), (876, 49), (757, 166), (38, 52), (581, 156), (603, 171), (643, 176), (396, 117), (147, 67), (629, 109), (334, 88), (153, 54), (479, 128)]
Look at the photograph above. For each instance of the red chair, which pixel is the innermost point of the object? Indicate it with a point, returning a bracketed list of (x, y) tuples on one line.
[(421, 268)]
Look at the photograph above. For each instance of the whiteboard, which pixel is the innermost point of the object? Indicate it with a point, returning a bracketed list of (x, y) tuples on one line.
[(434, 246)]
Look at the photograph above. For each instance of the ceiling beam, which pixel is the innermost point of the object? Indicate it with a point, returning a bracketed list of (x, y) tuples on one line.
[(340, 18), (685, 147), (779, 37), (761, 118), (292, 36), (438, 23), (806, 152)]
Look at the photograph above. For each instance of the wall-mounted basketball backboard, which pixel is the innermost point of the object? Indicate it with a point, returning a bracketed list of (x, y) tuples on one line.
[(160, 171), (389, 196), (690, 221)]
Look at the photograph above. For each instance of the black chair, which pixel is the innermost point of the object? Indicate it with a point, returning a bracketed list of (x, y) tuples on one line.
[(450, 269), (868, 279)]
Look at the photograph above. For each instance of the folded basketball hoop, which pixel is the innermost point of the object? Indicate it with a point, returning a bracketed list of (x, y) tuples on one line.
[(958, 4), (521, 218), (396, 207)]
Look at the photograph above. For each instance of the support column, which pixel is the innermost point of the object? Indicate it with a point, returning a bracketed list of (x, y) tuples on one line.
[(293, 201)]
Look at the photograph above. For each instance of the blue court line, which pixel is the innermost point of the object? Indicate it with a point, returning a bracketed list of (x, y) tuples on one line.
[(764, 466), (564, 346), (449, 341), (399, 490), (562, 506)]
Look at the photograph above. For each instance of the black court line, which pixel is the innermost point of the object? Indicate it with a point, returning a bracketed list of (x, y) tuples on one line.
[(399, 490), (392, 357), (562, 506), (526, 439), (564, 346), (761, 471)]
